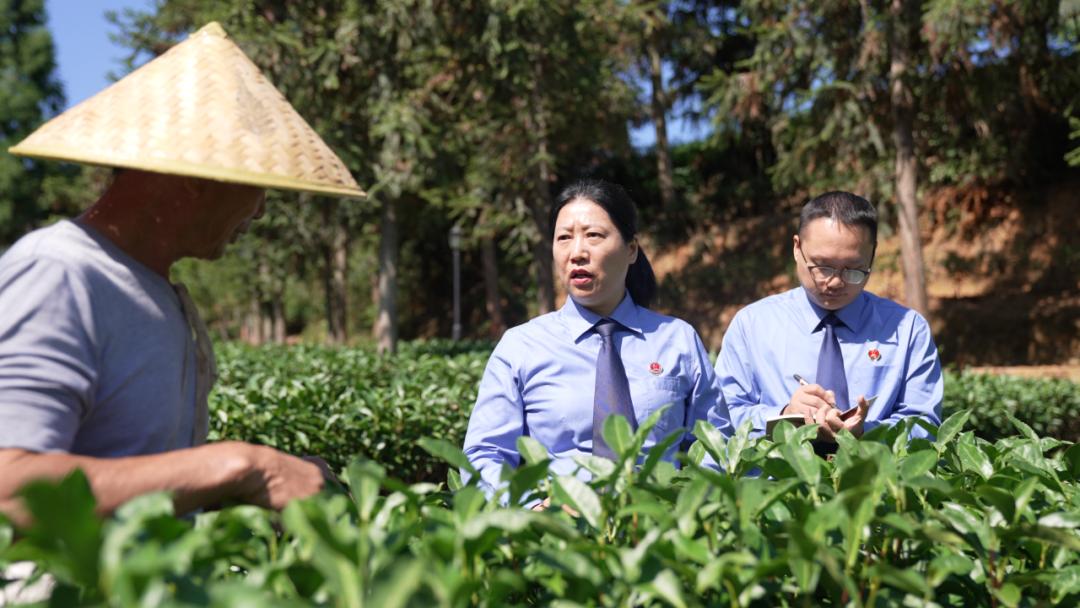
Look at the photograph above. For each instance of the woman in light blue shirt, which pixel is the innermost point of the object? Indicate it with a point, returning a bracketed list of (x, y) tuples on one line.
[(541, 380)]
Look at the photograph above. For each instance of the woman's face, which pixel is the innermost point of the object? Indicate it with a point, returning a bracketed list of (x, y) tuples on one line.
[(591, 256)]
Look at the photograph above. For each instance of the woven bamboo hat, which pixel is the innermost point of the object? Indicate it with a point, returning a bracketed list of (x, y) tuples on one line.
[(202, 109)]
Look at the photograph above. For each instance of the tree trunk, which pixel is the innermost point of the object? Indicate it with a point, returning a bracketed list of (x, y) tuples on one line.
[(265, 320), (540, 203), (385, 329), (545, 286), (905, 15), (496, 325), (658, 109), (251, 332), (277, 313), (335, 273)]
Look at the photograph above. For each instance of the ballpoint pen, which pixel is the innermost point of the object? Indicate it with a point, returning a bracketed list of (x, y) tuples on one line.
[(845, 414)]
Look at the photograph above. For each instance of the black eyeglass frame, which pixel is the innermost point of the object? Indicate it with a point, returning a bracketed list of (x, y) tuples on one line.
[(860, 275)]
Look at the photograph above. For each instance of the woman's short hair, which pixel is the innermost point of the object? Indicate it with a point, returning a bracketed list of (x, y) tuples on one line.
[(614, 199)]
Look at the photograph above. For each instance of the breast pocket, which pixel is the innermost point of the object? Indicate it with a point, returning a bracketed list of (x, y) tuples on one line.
[(655, 392)]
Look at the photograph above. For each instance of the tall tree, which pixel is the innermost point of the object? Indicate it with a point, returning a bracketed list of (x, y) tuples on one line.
[(29, 94), (546, 76), (673, 45), (821, 73), (1070, 17), (303, 51), (405, 96), (1003, 76), (385, 328), (335, 270), (1074, 156), (364, 75), (904, 21), (680, 47), (655, 24)]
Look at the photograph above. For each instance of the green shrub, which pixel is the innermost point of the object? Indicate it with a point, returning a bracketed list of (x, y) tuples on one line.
[(340, 403), (959, 521), (1050, 406)]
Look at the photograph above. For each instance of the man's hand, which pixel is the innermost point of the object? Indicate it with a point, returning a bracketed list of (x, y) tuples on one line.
[(274, 478), (808, 400), (854, 424), (327, 473), (831, 422), (546, 503)]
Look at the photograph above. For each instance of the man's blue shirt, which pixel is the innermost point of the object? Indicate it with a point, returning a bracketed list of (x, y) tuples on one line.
[(888, 352), (539, 382)]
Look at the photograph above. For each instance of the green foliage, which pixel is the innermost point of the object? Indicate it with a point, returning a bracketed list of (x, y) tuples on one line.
[(471, 112), (815, 87), (340, 403), (1049, 406), (30, 191), (444, 111), (990, 84), (1074, 155), (960, 521)]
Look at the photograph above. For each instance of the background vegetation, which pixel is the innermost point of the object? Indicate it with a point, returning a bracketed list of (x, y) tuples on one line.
[(340, 403), (953, 116)]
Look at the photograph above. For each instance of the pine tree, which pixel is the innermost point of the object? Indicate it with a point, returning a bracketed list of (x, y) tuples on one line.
[(29, 94)]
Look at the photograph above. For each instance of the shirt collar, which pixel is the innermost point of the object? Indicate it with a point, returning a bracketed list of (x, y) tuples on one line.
[(580, 320), (851, 315)]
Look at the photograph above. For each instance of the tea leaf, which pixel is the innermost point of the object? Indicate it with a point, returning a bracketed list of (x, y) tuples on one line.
[(577, 495)]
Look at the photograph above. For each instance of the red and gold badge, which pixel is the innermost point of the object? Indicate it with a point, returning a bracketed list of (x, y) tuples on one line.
[(655, 368), (874, 354)]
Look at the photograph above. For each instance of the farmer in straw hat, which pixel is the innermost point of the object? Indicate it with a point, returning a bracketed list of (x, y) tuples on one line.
[(104, 364)]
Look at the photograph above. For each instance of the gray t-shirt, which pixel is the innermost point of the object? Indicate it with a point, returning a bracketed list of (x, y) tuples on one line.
[(96, 357)]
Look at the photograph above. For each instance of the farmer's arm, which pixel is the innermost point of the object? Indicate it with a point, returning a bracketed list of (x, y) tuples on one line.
[(197, 477)]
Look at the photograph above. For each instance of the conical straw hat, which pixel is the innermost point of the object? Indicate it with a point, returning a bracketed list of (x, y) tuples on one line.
[(202, 109)]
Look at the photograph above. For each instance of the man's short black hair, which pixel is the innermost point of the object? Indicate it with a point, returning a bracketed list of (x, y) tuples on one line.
[(844, 207)]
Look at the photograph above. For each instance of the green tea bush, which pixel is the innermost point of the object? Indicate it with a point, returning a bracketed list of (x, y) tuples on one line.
[(955, 522), (339, 403), (1050, 406)]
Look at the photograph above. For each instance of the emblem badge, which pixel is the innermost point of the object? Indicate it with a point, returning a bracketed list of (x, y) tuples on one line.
[(874, 354), (655, 368)]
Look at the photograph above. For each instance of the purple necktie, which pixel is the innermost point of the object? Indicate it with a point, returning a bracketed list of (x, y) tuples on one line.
[(612, 393), (830, 364)]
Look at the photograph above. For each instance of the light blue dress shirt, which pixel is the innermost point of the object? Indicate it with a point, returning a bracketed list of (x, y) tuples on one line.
[(887, 350), (539, 382)]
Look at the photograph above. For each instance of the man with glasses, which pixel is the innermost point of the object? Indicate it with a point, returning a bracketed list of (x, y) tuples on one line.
[(839, 356)]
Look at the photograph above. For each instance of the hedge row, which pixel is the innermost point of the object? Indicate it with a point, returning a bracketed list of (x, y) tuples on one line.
[(340, 403), (1050, 406)]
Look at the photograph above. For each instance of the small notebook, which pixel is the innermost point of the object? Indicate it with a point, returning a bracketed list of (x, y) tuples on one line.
[(795, 420)]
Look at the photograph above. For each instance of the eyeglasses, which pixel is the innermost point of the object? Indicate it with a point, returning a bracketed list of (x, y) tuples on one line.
[(851, 276)]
